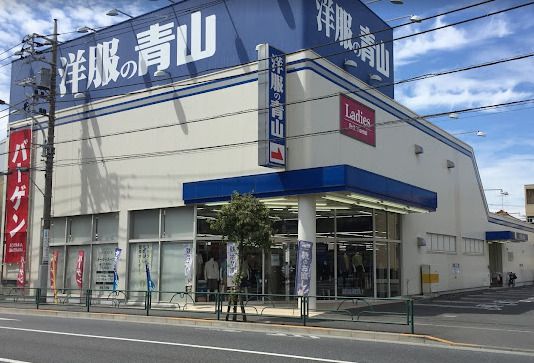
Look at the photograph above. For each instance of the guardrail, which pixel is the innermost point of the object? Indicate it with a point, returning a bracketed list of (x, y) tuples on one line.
[(221, 305)]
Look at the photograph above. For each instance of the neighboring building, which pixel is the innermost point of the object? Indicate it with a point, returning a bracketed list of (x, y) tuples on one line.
[(529, 202), (142, 162)]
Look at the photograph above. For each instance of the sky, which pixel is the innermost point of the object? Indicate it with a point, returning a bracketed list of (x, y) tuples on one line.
[(505, 156)]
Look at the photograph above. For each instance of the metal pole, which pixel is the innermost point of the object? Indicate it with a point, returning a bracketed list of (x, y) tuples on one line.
[(49, 147)]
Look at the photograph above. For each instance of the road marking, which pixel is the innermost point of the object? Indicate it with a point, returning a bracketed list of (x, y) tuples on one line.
[(10, 320), (448, 316), (12, 360), (256, 352)]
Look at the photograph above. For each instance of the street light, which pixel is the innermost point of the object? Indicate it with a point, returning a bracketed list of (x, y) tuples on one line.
[(502, 194), (474, 132), (413, 18), (396, 2), (115, 12), (85, 29)]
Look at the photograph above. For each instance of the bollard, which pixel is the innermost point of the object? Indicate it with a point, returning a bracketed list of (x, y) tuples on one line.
[(88, 299), (412, 316), (148, 302), (37, 297), (218, 305)]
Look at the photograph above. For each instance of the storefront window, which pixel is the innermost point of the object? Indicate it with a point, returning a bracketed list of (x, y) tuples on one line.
[(79, 234), (73, 252), (102, 268), (355, 223), (80, 229), (381, 224), (141, 256), (107, 227), (172, 276), (393, 226), (325, 268), (177, 223), (394, 268), (144, 224), (57, 230), (382, 276), (355, 268), (280, 265)]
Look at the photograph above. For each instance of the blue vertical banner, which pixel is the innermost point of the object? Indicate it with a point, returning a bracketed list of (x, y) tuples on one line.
[(304, 266), (115, 266), (271, 107), (149, 283)]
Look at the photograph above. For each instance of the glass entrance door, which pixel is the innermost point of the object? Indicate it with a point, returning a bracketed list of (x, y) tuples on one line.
[(355, 268), (280, 265)]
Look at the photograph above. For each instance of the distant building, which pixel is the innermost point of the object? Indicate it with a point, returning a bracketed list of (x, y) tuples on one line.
[(529, 202)]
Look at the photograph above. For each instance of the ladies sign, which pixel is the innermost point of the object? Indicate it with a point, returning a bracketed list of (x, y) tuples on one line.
[(357, 120)]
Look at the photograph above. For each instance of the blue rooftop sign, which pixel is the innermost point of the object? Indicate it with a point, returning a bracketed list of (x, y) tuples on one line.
[(196, 37)]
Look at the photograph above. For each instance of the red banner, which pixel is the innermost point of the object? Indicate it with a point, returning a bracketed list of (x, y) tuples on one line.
[(17, 191), (21, 277), (357, 120), (79, 269)]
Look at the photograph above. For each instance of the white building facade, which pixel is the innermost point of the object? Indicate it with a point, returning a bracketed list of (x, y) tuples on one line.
[(143, 166)]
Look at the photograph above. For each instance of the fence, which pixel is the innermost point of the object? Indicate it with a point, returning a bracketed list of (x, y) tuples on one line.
[(305, 310)]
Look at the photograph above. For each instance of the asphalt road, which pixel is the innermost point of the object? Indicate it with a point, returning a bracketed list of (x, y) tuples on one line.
[(31, 338), (495, 317)]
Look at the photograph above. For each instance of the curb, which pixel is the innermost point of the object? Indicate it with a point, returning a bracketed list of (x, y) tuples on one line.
[(256, 327)]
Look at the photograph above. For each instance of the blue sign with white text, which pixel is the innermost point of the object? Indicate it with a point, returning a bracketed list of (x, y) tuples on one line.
[(195, 37)]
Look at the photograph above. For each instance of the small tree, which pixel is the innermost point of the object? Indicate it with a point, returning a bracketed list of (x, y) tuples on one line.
[(245, 221)]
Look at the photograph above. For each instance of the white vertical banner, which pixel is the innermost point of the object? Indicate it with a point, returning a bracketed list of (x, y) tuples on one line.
[(232, 263), (188, 264)]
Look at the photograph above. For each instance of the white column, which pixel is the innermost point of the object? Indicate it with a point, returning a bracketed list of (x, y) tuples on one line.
[(306, 232)]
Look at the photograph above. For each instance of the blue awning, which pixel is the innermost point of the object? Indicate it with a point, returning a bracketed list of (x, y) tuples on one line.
[(311, 181), (510, 236)]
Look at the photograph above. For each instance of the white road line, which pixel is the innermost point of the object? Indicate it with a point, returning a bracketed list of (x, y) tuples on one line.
[(256, 352), (9, 320), (12, 360)]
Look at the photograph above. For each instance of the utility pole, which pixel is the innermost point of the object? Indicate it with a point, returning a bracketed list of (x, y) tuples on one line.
[(49, 166), (44, 89)]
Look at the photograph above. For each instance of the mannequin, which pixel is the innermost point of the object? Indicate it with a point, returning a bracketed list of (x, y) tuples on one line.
[(359, 270), (211, 274)]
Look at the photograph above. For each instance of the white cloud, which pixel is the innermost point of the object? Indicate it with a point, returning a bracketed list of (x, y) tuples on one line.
[(447, 39), (484, 86)]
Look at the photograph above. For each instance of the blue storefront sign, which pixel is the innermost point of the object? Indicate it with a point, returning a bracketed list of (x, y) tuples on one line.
[(198, 37), (304, 266), (271, 107)]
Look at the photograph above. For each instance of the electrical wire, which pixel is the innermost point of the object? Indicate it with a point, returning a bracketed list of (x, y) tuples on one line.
[(381, 124), (84, 161)]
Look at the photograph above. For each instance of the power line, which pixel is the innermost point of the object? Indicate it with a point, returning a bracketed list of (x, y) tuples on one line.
[(171, 152), (65, 162), (383, 124)]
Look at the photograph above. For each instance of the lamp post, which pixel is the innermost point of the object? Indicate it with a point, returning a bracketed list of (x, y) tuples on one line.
[(115, 12), (413, 18), (502, 194), (478, 133), (396, 2)]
